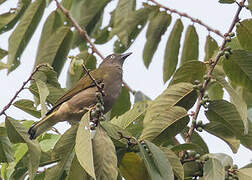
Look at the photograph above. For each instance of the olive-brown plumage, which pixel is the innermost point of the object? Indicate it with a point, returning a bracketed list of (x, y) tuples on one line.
[(73, 105)]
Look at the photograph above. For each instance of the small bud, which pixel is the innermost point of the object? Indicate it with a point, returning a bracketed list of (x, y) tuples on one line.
[(227, 54), (200, 86), (205, 77), (206, 158), (228, 39), (196, 82), (232, 34), (234, 166), (194, 122), (195, 87), (102, 118), (200, 129), (93, 113), (200, 123), (202, 102), (197, 156), (221, 53)]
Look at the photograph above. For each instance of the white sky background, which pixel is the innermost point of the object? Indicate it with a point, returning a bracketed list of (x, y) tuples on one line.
[(136, 75)]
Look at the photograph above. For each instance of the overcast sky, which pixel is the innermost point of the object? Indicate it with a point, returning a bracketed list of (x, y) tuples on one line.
[(136, 75)]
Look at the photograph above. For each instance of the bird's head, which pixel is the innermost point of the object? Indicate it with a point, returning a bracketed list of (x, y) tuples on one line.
[(116, 59)]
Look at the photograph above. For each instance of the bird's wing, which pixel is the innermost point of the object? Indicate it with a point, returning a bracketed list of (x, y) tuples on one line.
[(84, 83)]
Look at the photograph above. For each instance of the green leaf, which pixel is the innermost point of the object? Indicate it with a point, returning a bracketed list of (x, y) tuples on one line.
[(43, 93), (113, 132), (172, 51), (213, 170), (192, 169), (76, 171), (63, 150), (244, 34), (56, 48), (132, 167), (121, 16), (210, 47), (250, 5), (226, 1), (195, 139), (24, 31), (18, 134), (87, 14), (6, 149), (48, 144), (27, 106), (224, 159), (122, 105), (225, 113), (3, 53), (189, 72), (52, 23), (83, 147), (9, 19), (223, 132), (245, 174), (102, 36), (104, 153), (234, 44), (246, 140), (140, 96), (157, 27), (155, 161), (241, 106), (188, 146), (175, 163), (65, 143), (191, 46), (75, 71), (239, 68), (215, 91)]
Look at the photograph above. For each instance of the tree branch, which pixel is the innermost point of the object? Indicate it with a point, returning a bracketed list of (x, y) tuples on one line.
[(82, 31), (195, 20), (21, 88), (213, 64)]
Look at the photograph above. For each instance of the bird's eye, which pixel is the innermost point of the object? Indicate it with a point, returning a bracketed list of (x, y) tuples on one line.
[(112, 56)]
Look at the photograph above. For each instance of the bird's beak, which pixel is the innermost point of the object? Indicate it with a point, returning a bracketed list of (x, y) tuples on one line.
[(124, 56)]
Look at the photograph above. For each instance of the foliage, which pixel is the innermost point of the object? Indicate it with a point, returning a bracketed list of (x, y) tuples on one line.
[(138, 140)]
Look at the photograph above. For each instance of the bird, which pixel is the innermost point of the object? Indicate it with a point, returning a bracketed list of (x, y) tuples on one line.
[(74, 104)]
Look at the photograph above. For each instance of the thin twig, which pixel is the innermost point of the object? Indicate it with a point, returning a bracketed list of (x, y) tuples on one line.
[(213, 64), (56, 130), (195, 20), (21, 88), (100, 88), (82, 31)]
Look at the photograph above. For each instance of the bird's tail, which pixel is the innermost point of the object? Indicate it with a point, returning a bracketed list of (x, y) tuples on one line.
[(43, 125)]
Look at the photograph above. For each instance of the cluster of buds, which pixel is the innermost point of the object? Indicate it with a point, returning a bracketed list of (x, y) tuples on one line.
[(144, 145), (231, 172), (96, 113), (199, 126)]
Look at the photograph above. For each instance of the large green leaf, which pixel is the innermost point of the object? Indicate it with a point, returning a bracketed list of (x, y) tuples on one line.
[(157, 27), (221, 131), (239, 68), (43, 93), (161, 124), (56, 48), (225, 113), (191, 46), (187, 146), (192, 169), (245, 174), (246, 140), (225, 160), (105, 160), (122, 14), (87, 14), (210, 47), (63, 150), (175, 163), (9, 19), (172, 51), (157, 165), (52, 23), (75, 71), (244, 34), (122, 105), (24, 31), (76, 171), (27, 106), (219, 76), (3, 53), (18, 134), (213, 170), (83, 147), (189, 72), (132, 167), (6, 149)]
